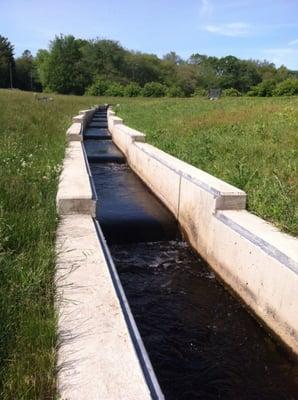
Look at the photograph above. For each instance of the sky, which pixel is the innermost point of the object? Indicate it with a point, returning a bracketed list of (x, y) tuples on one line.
[(258, 29)]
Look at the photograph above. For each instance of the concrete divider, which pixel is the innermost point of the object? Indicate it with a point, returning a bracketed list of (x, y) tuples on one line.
[(75, 131), (75, 194), (258, 262), (113, 121)]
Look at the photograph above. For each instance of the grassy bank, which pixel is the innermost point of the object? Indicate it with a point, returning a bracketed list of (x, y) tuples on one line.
[(32, 148), (251, 143)]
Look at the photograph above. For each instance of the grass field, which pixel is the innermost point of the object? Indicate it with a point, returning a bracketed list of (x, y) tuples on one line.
[(251, 143), (32, 147)]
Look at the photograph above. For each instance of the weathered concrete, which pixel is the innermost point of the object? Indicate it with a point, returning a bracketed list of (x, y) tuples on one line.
[(75, 194), (257, 261), (74, 132), (113, 121), (96, 356)]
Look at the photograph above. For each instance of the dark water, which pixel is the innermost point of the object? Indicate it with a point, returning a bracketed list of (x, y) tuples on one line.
[(103, 151), (127, 210), (202, 343)]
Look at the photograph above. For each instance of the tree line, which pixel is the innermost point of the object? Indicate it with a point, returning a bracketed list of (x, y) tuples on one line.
[(104, 67)]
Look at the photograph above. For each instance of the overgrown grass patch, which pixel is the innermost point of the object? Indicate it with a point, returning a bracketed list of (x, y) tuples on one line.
[(251, 143), (32, 148)]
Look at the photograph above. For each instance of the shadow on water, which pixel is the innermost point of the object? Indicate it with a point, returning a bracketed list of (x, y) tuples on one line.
[(202, 343)]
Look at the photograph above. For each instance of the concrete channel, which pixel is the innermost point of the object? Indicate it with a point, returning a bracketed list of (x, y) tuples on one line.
[(146, 316)]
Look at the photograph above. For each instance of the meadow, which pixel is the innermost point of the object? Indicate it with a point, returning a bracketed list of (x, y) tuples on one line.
[(249, 142)]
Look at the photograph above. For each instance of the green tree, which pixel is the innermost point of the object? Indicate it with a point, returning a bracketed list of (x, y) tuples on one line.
[(7, 63), (105, 58), (42, 67), (64, 67), (143, 68), (26, 74), (173, 58)]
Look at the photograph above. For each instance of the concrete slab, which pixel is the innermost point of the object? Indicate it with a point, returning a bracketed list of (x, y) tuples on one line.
[(75, 193), (96, 356), (74, 132)]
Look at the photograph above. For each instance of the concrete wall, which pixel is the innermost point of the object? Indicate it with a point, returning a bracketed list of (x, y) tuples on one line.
[(257, 261)]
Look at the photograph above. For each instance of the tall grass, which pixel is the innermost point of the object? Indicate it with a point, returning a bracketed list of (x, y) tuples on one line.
[(31, 150), (251, 143)]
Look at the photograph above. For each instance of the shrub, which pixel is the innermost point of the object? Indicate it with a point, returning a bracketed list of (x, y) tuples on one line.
[(200, 92), (115, 89), (175, 91), (263, 89), (98, 88), (231, 92), (132, 90), (289, 87), (154, 89)]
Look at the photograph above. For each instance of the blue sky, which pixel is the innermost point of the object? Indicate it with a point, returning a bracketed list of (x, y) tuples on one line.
[(262, 29)]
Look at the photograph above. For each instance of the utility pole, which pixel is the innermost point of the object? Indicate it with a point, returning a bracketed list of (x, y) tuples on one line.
[(10, 73)]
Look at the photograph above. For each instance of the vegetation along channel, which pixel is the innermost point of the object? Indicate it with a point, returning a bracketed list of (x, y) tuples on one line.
[(202, 342)]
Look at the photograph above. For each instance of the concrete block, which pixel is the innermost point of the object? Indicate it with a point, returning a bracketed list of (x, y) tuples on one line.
[(78, 118), (75, 192), (124, 136), (260, 264), (113, 121), (74, 132), (96, 356), (110, 111)]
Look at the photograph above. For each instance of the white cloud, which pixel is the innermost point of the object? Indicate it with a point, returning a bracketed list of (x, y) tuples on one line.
[(235, 29), (283, 56), (293, 42), (206, 8)]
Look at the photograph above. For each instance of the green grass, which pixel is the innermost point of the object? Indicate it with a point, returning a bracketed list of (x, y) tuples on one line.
[(251, 143), (31, 151)]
